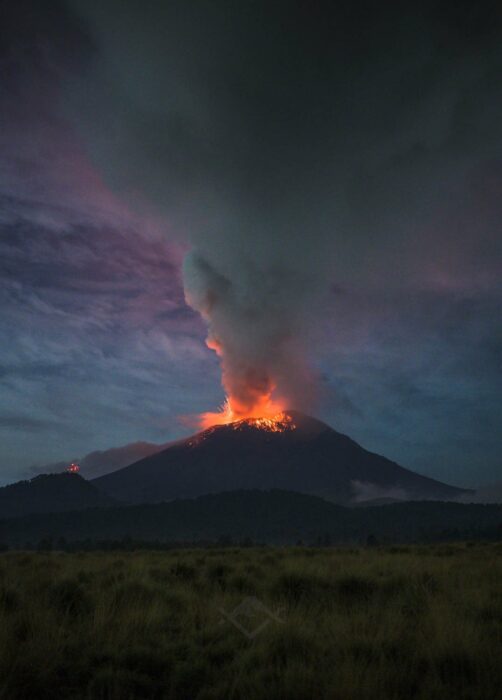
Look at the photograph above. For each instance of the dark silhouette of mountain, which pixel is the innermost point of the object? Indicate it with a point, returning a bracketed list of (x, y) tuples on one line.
[(275, 517), (303, 455), (375, 502), (50, 493)]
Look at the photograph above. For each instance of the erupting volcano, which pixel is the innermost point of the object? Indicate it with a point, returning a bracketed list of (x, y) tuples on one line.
[(279, 423), (289, 451), (253, 442), (250, 393), (267, 414)]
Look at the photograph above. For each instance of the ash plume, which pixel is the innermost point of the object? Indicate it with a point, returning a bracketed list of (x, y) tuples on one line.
[(295, 146), (259, 324), (245, 188)]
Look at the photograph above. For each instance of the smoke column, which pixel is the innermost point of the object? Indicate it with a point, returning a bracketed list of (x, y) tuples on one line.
[(259, 326), (230, 143)]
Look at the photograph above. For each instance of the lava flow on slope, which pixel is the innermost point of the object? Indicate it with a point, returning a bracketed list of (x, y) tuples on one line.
[(275, 424)]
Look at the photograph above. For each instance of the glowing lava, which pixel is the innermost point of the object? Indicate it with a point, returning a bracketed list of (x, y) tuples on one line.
[(277, 424), (250, 396), (265, 413), (280, 423)]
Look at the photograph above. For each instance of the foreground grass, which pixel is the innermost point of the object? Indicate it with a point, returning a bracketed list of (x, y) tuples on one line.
[(415, 622)]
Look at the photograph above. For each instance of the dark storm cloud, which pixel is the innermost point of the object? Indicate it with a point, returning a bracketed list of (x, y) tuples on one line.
[(423, 371), (92, 312), (269, 130), (296, 146), (96, 343), (91, 272), (22, 423)]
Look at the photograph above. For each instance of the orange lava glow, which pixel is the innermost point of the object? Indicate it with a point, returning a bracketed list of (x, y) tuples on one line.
[(277, 424), (249, 398), (265, 413)]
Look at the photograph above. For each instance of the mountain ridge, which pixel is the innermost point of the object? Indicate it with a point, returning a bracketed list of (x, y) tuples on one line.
[(50, 493), (273, 517)]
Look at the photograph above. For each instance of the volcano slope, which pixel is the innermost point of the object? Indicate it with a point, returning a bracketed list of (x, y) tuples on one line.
[(294, 452)]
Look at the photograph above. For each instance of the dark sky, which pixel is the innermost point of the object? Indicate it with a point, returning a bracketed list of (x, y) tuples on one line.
[(337, 165)]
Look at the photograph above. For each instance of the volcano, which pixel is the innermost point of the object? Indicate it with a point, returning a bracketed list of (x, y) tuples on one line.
[(292, 451)]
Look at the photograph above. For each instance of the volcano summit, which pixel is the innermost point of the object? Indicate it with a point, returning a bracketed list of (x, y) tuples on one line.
[(290, 451)]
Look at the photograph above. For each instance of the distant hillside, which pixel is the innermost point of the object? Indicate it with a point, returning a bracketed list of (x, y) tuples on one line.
[(303, 455), (276, 517), (50, 493), (102, 462), (491, 493)]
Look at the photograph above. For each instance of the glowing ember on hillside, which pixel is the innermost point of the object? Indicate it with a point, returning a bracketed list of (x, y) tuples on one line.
[(73, 468)]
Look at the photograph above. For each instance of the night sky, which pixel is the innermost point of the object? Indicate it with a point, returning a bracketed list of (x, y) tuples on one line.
[(332, 170)]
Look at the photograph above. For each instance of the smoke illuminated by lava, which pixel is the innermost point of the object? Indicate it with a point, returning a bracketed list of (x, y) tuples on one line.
[(265, 410), (280, 423), (256, 335), (249, 393)]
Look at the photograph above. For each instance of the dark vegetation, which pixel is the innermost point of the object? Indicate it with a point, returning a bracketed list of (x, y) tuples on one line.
[(274, 517), (411, 622)]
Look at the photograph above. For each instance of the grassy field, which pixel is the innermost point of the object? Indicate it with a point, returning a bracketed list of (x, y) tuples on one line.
[(408, 622)]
